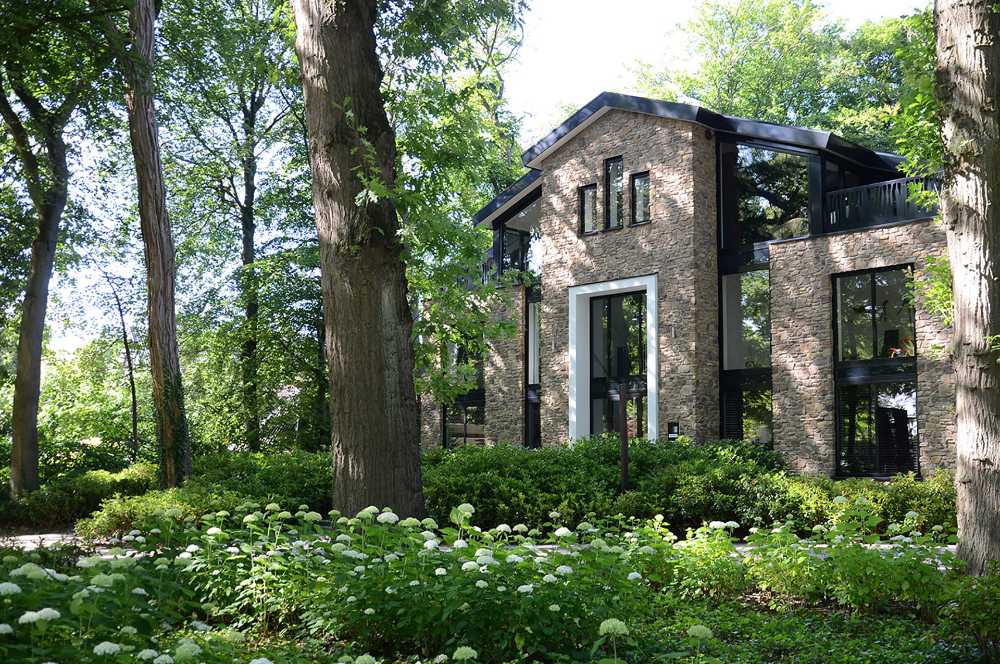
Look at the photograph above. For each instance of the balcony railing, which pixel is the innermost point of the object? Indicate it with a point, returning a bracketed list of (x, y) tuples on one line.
[(879, 203)]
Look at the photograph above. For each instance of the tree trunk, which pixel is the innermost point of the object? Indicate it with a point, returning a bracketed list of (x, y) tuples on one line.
[(373, 409), (158, 248), (48, 197), (27, 382), (251, 299), (130, 369), (968, 84)]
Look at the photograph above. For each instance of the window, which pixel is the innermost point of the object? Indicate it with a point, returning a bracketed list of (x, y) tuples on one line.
[(614, 188), (640, 198), (463, 421), (765, 194), (532, 401), (876, 381), (746, 316), (745, 379), (588, 208), (618, 363), (516, 246)]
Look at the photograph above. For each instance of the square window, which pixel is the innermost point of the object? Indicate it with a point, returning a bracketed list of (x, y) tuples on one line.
[(588, 208), (640, 198), (614, 189)]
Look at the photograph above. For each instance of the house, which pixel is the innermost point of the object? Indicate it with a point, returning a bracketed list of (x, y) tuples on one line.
[(714, 277)]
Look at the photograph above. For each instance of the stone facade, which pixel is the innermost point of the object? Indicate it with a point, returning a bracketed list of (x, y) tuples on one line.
[(678, 245), (802, 346), (504, 374), (430, 422)]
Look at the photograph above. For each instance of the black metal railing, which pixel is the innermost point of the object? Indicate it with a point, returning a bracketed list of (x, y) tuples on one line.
[(878, 203)]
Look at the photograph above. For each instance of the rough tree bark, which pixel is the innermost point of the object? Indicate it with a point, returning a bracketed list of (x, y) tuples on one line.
[(373, 408), (968, 85), (158, 244), (47, 185)]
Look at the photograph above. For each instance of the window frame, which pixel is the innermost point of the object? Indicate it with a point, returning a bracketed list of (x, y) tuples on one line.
[(871, 372), (632, 178), (607, 193), (581, 205)]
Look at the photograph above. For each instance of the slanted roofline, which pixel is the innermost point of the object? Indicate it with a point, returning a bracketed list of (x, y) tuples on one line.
[(743, 128)]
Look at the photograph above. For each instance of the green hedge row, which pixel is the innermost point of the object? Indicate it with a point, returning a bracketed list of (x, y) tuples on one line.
[(685, 482)]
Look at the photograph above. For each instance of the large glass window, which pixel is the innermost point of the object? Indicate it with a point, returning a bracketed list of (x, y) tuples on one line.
[(618, 363), (746, 317), (516, 246), (746, 407), (614, 191), (876, 373), (765, 194), (588, 208), (640, 198)]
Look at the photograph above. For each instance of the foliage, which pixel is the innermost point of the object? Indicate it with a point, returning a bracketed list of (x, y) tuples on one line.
[(553, 592)]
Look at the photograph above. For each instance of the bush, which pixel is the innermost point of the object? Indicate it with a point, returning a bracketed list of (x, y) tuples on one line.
[(61, 502)]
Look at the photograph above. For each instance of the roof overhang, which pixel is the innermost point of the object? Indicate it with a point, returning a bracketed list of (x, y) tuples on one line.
[(511, 200)]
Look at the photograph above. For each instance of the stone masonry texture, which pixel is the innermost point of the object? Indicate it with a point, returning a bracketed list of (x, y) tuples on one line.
[(678, 245), (802, 349)]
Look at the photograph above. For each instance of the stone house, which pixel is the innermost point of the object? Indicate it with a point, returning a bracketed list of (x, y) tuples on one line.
[(714, 277)]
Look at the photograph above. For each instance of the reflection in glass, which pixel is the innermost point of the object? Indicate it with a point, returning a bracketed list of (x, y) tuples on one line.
[(773, 195), (618, 362), (875, 315), (588, 208), (878, 428), (640, 198), (854, 309), (615, 191), (746, 319), (894, 318)]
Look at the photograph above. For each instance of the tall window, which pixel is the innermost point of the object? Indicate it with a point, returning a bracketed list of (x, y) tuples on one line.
[(588, 208), (765, 194), (640, 198), (876, 372), (614, 188), (746, 356), (532, 391), (463, 420), (618, 363)]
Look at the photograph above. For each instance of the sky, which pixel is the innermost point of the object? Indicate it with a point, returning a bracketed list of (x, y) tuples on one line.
[(575, 49)]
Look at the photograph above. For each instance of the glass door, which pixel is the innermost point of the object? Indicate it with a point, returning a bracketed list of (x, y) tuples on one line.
[(618, 363)]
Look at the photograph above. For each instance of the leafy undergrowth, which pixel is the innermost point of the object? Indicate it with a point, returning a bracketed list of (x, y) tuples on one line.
[(265, 584)]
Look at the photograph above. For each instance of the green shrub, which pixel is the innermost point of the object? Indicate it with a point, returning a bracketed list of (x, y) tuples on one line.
[(63, 501), (976, 611)]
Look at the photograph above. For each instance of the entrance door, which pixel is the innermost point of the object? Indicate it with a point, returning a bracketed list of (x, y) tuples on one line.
[(618, 362)]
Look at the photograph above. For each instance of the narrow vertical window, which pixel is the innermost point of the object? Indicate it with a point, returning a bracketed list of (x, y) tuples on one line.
[(640, 198), (588, 208), (614, 187)]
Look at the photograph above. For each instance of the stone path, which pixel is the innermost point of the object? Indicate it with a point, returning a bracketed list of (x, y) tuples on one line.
[(37, 540)]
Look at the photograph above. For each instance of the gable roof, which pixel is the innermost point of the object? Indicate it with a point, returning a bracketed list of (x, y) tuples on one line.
[(742, 127)]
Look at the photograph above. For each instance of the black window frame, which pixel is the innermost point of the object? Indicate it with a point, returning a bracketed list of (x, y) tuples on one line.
[(871, 372), (632, 178), (582, 198), (607, 193)]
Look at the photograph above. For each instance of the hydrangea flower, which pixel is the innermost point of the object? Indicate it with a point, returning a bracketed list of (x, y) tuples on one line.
[(464, 654), (213, 531), (554, 608), (503, 528), (482, 584), (6, 629), (369, 611), (129, 630), (440, 571), (470, 566), (699, 632), (146, 654), (634, 576), (520, 528), (387, 517), (164, 659), (313, 517), (459, 544), (272, 507), (187, 650), (717, 525), (554, 515), (613, 627), (564, 570), (409, 522), (732, 525), (466, 508), (526, 588), (514, 559), (364, 659), (261, 660), (563, 531), (549, 578), (107, 648), (8, 588)]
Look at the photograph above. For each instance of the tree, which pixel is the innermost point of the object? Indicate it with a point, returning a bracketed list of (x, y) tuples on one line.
[(967, 81), (135, 55), (375, 438), (45, 76), (228, 92)]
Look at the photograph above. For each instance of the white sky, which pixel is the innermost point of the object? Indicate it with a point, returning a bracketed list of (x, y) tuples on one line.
[(575, 49)]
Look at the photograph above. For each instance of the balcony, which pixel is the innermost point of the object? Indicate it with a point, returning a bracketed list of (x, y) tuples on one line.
[(876, 204)]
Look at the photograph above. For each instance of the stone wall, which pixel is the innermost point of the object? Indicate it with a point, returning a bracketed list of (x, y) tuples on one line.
[(504, 374), (678, 245), (430, 422), (802, 342)]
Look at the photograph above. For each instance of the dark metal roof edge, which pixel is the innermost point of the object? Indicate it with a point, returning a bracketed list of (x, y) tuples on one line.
[(800, 136), (507, 194)]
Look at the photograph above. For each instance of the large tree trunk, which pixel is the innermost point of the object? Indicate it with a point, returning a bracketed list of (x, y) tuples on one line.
[(27, 382), (158, 247), (48, 197), (968, 86), (373, 410)]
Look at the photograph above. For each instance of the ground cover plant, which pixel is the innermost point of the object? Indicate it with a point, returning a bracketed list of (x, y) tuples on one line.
[(258, 580)]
